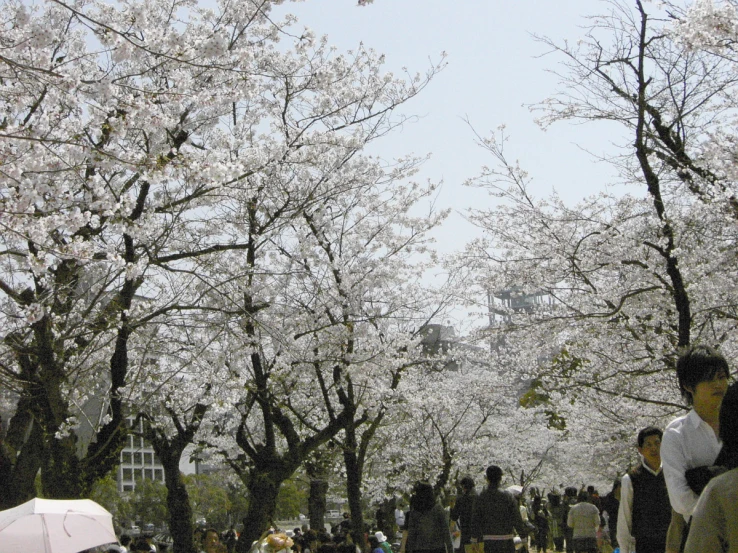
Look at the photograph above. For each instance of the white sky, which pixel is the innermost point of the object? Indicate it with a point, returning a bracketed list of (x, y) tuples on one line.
[(494, 68)]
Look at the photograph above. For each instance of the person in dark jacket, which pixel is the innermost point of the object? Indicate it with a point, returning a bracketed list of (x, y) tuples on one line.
[(462, 510), (611, 506), (427, 523), (496, 516)]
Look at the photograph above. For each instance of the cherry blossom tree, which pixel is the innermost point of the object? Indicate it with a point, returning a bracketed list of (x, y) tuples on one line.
[(632, 277), (148, 150)]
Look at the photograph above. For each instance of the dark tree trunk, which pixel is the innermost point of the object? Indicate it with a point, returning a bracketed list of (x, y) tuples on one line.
[(178, 505), (18, 472), (169, 450), (353, 485), (263, 486), (317, 501)]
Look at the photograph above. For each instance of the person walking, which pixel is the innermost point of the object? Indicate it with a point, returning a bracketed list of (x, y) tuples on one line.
[(496, 516), (427, 524), (714, 525), (645, 512), (691, 441), (584, 520), (462, 510)]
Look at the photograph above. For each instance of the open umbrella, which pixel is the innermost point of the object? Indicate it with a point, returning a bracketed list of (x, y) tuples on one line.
[(515, 490), (55, 526)]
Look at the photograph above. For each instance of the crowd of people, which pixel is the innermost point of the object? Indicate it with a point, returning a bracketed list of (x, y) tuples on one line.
[(682, 497)]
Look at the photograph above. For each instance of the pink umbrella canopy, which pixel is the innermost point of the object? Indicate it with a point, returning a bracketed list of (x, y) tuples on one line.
[(55, 526)]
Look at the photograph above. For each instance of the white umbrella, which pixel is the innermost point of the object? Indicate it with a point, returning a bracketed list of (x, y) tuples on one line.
[(515, 490), (55, 526)]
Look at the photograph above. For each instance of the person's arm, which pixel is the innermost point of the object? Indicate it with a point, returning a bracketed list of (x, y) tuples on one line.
[(625, 516), (446, 525), (411, 530), (522, 527), (475, 531), (707, 522), (570, 518), (674, 465), (596, 520)]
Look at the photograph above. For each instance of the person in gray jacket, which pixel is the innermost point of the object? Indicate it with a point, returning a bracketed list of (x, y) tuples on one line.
[(428, 524), (496, 516)]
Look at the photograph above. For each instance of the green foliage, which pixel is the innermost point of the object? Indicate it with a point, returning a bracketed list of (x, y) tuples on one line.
[(105, 492), (292, 499), (149, 502), (209, 499)]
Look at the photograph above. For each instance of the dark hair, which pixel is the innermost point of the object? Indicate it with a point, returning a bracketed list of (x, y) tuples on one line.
[(570, 491), (346, 547), (327, 548), (125, 539), (423, 497), (494, 475), (467, 483), (140, 545), (554, 499), (583, 495), (373, 541), (699, 364), (645, 433), (729, 426)]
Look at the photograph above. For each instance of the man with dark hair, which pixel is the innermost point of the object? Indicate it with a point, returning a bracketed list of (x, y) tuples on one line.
[(715, 519), (692, 440), (461, 512), (645, 512), (495, 515)]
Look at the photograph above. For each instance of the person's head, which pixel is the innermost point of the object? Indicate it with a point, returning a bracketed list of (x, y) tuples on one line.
[(197, 536), (423, 497), (494, 475), (140, 545), (125, 539), (373, 542), (649, 446), (211, 540), (583, 496), (466, 484), (346, 547), (311, 536), (697, 368), (554, 499)]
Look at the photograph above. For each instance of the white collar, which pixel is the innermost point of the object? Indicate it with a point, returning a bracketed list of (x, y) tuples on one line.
[(649, 469)]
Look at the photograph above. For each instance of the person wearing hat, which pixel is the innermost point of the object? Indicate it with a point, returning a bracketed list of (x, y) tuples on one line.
[(382, 540)]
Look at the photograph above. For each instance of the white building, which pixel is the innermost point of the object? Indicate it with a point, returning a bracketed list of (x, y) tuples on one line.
[(138, 461)]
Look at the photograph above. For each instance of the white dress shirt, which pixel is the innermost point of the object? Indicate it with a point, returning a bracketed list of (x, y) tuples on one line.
[(626, 541), (688, 442)]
